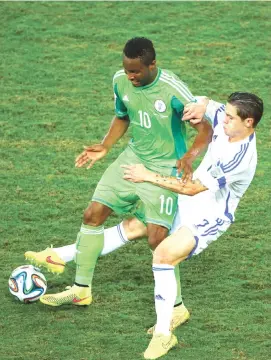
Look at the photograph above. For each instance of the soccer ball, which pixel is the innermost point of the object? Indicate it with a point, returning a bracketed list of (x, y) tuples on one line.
[(27, 283)]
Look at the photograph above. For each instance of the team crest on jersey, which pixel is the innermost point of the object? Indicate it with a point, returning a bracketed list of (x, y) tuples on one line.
[(160, 106)]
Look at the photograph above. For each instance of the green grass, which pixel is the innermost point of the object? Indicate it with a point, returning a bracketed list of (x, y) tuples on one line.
[(57, 63)]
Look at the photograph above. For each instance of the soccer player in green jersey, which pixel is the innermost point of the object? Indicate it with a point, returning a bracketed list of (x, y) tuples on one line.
[(151, 101)]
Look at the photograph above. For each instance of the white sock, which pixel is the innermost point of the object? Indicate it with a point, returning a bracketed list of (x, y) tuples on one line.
[(114, 238), (66, 253), (165, 292)]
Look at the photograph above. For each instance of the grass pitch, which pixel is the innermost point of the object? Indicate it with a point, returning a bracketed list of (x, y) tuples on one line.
[(57, 63)]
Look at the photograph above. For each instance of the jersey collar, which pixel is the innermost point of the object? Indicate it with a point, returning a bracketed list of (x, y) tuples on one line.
[(152, 83)]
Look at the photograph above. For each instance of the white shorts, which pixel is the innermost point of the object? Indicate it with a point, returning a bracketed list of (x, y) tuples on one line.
[(203, 217)]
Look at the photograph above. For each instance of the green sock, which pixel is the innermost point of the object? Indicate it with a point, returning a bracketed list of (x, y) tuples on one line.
[(89, 245), (178, 281)]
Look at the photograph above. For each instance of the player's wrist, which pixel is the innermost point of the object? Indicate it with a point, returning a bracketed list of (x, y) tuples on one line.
[(210, 109), (107, 146), (203, 100), (191, 155)]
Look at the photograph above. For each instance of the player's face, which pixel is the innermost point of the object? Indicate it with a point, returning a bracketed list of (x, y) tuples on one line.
[(234, 126), (138, 73)]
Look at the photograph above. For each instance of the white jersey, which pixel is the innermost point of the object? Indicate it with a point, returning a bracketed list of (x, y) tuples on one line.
[(226, 170)]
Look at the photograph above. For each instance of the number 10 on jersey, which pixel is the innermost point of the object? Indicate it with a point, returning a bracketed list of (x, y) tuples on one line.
[(166, 205), (145, 120)]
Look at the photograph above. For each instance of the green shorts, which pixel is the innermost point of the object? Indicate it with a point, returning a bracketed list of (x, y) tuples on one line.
[(159, 205)]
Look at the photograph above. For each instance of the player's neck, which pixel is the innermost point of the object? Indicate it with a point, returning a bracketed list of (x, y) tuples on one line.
[(241, 136), (153, 75)]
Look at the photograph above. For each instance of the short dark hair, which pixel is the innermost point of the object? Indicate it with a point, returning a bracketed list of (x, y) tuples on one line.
[(140, 47), (248, 105)]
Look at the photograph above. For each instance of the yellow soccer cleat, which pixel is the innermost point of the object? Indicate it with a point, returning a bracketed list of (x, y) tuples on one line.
[(180, 315), (160, 345), (47, 258), (75, 295)]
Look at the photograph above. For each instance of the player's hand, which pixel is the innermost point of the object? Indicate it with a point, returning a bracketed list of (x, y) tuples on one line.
[(135, 173), (91, 154), (194, 112), (185, 165)]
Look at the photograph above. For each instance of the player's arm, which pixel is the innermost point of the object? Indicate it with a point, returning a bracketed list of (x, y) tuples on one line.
[(118, 128), (195, 111), (202, 108), (238, 172), (198, 113), (200, 144), (120, 122), (96, 152), (201, 141), (138, 173)]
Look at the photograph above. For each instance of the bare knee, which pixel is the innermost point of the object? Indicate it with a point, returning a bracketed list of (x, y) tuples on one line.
[(175, 248), (161, 255), (96, 214), (134, 228), (156, 234)]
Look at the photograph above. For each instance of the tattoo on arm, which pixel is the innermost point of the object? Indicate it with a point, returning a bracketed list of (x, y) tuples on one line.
[(176, 184)]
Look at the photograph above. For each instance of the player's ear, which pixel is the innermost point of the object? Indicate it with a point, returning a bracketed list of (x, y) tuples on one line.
[(152, 65), (249, 122)]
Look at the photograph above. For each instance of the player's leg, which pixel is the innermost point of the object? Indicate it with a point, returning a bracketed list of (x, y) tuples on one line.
[(162, 273), (168, 253), (156, 234), (112, 193), (178, 307), (55, 259), (90, 241), (180, 314), (89, 245), (134, 229), (190, 239), (160, 208)]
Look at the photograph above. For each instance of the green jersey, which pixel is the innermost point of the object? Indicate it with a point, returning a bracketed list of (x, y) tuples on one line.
[(155, 111)]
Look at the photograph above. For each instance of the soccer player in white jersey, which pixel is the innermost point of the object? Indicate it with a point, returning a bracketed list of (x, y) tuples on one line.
[(207, 203)]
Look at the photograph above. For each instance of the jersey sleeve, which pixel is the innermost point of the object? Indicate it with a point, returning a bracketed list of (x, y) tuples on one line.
[(183, 91), (179, 91), (240, 169), (120, 108), (215, 112)]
